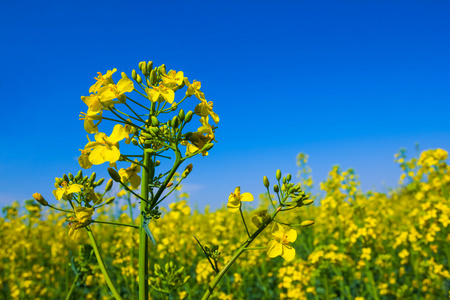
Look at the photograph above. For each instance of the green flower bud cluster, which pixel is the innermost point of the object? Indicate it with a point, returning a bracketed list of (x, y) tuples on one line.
[(168, 279), (79, 179), (81, 264), (213, 253)]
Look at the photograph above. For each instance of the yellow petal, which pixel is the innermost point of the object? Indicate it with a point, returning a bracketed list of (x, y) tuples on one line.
[(274, 249), (246, 197), (277, 231), (125, 85), (288, 252), (118, 134), (291, 235)]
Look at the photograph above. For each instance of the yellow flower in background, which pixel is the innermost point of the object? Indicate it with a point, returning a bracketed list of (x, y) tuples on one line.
[(173, 79), (113, 91), (279, 245), (130, 174), (106, 148), (83, 160), (160, 93), (102, 80), (66, 190), (194, 89), (234, 200), (260, 218), (82, 219)]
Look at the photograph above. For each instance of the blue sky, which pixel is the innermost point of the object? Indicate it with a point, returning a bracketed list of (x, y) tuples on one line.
[(347, 82)]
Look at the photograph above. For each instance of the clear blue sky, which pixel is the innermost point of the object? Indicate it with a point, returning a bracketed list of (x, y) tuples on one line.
[(347, 82)]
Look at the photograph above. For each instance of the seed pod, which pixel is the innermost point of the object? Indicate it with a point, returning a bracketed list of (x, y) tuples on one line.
[(266, 181), (188, 116)]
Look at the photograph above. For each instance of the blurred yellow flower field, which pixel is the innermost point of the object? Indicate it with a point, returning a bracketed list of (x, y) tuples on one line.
[(362, 245)]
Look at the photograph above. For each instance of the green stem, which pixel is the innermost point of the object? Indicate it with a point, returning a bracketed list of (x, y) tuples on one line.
[(72, 288), (143, 239), (243, 220), (67, 211), (102, 265), (116, 223), (219, 276)]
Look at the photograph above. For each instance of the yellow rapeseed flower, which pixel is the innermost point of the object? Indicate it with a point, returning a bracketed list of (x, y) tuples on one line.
[(234, 200), (160, 93), (82, 219), (194, 89), (102, 80), (130, 174), (106, 148), (279, 245), (66, 189), (113, 91), (173, 79)]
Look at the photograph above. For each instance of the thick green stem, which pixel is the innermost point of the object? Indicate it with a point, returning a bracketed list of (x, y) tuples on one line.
[(102, 265), (147, 173), (72, 288)]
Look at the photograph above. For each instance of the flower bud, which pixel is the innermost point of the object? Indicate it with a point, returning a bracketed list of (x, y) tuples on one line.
[(109, 200), (276, 189), (149, 83), (133, 74), (188, 116), (79, 175), (187, 171), (143, 67), (109, 185), (92, 178), (162, 69), (100, 182), (175, 121), (266, 182), (208, 147), (181, 114), (138, 78), (153, 77), (157, 163), (149, 66), (65, 178), (124, 76), (71, 177), (278, 175), (114, 175), (307, 223), (288, 177), (38, 197), (134, 142), (174, 106), (155, 121), (307, 202)]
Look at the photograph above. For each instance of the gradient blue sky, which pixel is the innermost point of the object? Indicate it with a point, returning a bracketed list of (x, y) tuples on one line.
[(347, 82)]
